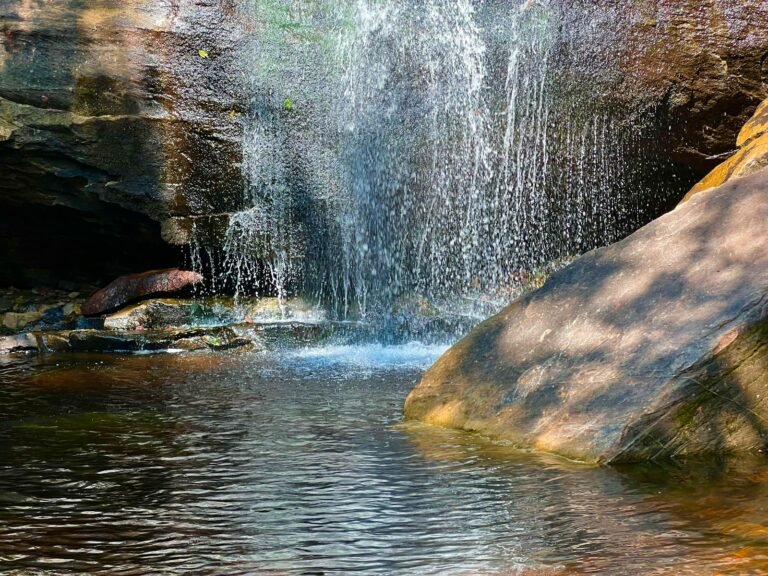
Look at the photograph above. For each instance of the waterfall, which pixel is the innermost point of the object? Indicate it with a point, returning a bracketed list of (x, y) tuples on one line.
[(433, 151), (415, 146)]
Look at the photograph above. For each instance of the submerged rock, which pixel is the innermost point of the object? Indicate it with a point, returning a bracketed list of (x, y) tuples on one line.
[(160, 313), (751, 157), (18, 343), (656, 346), (189, 339), (134, 286)]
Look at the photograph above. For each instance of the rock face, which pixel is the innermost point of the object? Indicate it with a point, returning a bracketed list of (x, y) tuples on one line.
[(123, 118), (653, 347), (134, 286), (111, 123), (751, 157), (702, 65)]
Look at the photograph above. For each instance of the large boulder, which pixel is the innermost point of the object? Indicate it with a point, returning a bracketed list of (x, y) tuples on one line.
[(656, 346)]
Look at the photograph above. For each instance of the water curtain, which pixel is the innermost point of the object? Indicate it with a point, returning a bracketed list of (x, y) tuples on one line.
[(436, 150)]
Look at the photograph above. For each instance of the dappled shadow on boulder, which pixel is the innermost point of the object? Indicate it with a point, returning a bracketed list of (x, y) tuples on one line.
[(721, 410), (651, 347)]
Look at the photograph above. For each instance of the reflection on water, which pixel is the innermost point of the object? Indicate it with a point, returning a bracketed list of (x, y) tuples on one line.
[(297, 463)]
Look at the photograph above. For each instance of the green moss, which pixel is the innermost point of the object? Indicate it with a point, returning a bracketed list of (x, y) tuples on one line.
[(215, 341)]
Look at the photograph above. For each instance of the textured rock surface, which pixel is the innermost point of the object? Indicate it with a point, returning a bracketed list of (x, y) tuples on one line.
[(655, 346), (191, 339), (751, 157), (756, 127), (134, 286), (703, 65), (111, 122)]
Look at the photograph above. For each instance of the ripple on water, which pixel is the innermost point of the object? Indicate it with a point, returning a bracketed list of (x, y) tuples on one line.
[(373, 356), (298, 463)]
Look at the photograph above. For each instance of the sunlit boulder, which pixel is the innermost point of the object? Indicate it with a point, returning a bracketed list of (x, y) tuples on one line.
[(653, 347), (751, 157)]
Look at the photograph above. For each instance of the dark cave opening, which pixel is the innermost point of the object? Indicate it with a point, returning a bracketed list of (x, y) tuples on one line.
[(60, 247)]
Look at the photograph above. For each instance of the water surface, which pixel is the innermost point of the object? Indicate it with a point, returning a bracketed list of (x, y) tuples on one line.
[(296, 462)]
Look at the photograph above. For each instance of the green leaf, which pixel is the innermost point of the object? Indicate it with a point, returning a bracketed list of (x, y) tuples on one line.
[(202, 53), (288, 104)]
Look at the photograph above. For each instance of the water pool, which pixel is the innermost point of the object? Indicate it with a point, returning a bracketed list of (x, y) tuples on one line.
[(297, 462)]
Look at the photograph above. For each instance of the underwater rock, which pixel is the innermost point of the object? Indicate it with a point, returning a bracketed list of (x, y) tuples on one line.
[(131, 287), (194, 339), (654, 347), (18, 343), (750, 158)]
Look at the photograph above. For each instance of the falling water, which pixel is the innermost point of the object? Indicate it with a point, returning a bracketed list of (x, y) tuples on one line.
[(428, 152), (415, 147)]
